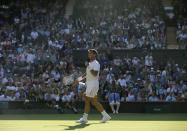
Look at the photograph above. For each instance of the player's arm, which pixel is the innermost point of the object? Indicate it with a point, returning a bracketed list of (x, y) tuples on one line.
[(84, 76), (81, 78), (94, 73)]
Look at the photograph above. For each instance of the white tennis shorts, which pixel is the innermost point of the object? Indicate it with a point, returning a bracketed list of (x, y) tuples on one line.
[(92, 89)]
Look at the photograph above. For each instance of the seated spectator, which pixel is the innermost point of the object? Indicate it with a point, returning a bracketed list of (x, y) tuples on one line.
[(137, 97), (161, 98), (131, 97), (114, 99), (68, 99), (171, 97), (4, 97), (121, 81), (185, 95), (153, 97), (180, 97), (12, 96)]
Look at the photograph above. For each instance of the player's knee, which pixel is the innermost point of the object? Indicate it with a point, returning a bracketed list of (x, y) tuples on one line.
[(95, 103), (87, 101)]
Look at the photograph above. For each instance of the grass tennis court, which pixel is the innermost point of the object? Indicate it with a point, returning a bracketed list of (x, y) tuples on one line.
[(119, 122)]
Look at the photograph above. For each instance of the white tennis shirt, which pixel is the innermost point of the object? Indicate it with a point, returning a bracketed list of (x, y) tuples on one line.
[(90, 79)]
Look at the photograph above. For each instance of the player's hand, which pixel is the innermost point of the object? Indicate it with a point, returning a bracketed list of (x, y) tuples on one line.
[(76, 82), (86, 63)]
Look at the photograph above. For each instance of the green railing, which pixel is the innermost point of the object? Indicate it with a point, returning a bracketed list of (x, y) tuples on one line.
[(128, 107)]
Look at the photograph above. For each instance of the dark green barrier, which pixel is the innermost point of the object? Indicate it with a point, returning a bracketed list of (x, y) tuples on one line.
[(3, 105), (129, 107)]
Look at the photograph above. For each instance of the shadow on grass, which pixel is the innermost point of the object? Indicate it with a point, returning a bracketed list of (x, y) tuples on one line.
[(79, 126)]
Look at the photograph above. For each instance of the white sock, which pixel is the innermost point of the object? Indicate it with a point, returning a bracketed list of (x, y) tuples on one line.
[(104, 113), (85, 116)]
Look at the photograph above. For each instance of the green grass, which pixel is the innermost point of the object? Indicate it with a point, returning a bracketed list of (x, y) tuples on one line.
[(119, 122)]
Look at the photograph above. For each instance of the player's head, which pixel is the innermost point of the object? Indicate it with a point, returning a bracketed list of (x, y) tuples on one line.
[(92, 53)]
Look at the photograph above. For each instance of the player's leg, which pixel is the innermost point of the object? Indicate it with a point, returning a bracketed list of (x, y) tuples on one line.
[(87, 105), (100, 108), (97, 105), (84, 119)]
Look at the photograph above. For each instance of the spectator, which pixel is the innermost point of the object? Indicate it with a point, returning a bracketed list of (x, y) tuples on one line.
[(171, 97), (153, 98), (131, 96), (114, 99)]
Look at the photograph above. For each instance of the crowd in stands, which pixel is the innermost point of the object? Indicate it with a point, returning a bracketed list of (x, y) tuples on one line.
[(120, 25), (182, 33), (30, 69), (36, 52), (181, 18), (143, 79)]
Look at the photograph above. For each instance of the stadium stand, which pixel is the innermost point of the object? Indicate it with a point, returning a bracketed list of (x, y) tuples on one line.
[(37, 41)]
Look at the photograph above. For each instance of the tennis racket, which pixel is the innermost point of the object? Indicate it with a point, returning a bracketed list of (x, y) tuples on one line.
[(68, 79)]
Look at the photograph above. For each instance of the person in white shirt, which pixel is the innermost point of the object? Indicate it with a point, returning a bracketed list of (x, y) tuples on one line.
[(4, 97), (121, 81), (34, 35), (12, 97), (30, 57), (109, 76), (148, 60), (131, 97), (92, 83), (10, 86)]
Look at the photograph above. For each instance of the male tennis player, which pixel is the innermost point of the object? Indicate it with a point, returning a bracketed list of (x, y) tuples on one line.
[(92, 87)]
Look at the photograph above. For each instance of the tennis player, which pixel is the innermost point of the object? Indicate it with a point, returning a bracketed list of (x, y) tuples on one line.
[(92, 87)]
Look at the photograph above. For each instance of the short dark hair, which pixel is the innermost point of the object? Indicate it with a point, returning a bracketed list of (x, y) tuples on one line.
[(94, 51)]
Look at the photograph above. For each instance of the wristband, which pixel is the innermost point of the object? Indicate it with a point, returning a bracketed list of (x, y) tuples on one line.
[(81, 83)]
